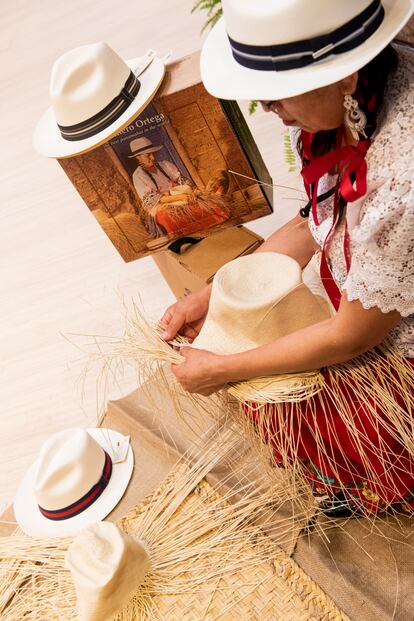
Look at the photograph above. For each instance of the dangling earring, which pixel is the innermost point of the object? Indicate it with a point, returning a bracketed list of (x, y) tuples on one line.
[(354, 117)]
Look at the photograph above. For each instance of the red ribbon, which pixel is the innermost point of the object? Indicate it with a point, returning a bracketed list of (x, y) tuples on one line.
[(351, 163)]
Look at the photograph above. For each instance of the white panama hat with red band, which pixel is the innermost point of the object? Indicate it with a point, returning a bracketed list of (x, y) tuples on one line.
[(274, 49), (94, 95), (73, 483)]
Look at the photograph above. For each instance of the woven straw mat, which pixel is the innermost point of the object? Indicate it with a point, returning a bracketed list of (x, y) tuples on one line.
[(277, 591)]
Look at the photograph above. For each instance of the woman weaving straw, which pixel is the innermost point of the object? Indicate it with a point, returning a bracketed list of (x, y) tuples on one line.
[(327, 69)]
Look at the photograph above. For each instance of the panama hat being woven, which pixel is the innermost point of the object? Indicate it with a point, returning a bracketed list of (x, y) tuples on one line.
[(76, 481), (94, 95), (255, 300), (274, 49)]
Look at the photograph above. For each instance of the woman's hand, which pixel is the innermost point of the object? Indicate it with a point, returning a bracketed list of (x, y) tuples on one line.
[(186, 316), (202, 371)]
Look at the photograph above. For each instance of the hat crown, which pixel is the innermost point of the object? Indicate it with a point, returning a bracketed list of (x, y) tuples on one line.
[(256, 299), (85, 80), (107, 567), (70, 464), (140, 143), (258, 281), (96, 553), (273, 22)]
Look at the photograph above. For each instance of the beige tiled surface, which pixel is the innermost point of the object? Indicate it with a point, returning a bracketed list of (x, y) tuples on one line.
[(58, 272)]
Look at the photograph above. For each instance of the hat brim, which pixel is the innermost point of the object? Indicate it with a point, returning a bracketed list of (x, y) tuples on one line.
[(47, 139), (224, 78), (33, 523), (259, 390), (149, 150)]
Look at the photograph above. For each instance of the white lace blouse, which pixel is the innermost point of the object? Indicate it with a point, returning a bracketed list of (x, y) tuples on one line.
[(381, 224)]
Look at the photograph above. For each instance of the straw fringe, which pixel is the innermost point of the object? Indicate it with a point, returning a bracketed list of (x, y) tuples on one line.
[(283, 388), (383, 382)]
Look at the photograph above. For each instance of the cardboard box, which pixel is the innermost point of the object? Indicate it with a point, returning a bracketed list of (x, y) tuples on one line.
[(193, 265), (187, 187)]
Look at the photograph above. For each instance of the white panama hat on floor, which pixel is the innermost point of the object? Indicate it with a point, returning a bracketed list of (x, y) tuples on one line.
[(94, 95), (74, 482), (274, 49)]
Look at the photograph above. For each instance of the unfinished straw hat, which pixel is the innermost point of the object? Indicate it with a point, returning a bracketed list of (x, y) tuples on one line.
[(255, 300), (107, 567), (94, 95), (272, 49), (76, 481)]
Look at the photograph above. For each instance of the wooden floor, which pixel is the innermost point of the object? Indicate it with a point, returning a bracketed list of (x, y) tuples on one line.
[(59, 274)]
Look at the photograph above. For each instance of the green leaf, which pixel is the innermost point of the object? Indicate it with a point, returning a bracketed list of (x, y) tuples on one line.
[(290, 157), (213, 9), (253, 106)]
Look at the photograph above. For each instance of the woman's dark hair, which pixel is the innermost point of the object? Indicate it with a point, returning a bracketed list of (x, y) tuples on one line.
[(372, 80)]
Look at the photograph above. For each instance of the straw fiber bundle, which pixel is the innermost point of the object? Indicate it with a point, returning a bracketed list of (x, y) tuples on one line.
[(208, 561), (379, 381)]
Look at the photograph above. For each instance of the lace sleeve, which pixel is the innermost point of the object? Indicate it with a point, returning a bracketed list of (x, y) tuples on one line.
[(382, 249)]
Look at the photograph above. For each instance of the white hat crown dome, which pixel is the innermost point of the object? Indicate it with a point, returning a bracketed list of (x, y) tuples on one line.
[(70, 463), (270, 22), (85, 80), (107, 567), (275, 49), (96, 552)]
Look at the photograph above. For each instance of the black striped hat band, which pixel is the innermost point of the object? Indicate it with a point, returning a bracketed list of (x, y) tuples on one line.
[(103, 119), (308, 51)]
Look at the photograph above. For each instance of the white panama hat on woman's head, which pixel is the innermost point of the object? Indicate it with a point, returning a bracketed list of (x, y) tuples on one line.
[(255, 300), (94, 94), (274, 49), (74, 482)]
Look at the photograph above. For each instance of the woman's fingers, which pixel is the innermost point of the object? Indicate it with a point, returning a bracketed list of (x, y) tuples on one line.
[(166, 318), (189, 332), (173, 325)]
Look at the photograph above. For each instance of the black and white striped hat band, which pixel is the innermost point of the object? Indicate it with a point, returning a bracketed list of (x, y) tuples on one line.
[(103, 119), (307, 51)]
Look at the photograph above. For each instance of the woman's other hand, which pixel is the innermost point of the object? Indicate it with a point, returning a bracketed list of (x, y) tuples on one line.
[(201, 372), (186, 316)]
